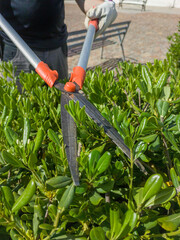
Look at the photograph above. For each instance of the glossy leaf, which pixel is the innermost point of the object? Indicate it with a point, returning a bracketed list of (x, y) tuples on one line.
[(66, 198), (147, 78), (129, 142), (177, 165), (152, 186), (129, 222), (10, 159), (115, 223), (38, 217), (54, 137), (170, 137), (97, 233), (26, 130), (96, 198), (174, 178), (138, 195), (103, 163), (161, 197), (46, 226), (57, 182), (32, 161), (38, 140), (162, 80), (142, 126), (25, 197), (8, 196), (10, 135), (149, 138), (162, 107), (92, 160), (170, 223), (139, 149)]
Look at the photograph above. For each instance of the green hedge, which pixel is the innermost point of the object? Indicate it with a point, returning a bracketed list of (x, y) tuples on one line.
[(115, 200)]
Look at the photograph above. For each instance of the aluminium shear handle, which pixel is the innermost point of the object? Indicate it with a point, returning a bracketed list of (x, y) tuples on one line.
[(79, 72), (48, 75)]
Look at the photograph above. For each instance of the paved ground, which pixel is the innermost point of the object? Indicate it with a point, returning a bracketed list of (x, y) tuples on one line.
[(145, 40)]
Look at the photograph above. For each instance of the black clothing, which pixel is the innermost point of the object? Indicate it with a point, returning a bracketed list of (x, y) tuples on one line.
[(39, 22)]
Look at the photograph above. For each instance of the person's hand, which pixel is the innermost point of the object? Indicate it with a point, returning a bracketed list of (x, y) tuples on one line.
[(105, 13)]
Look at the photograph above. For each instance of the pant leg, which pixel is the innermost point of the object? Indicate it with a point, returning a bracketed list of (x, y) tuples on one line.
[(11, 53), (55, 58)]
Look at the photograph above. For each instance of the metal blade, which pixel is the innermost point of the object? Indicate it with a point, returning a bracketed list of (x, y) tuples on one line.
[(70, 138), (96, 116)]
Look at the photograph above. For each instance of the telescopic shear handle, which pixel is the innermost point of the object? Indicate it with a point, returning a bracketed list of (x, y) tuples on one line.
[(79, 72), (48, 75)]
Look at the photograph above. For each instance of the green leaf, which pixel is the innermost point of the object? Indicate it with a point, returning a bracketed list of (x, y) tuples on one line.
[(8, 196), (57, 182), (25, 197), (142, 126), (177, 165), (115, 222), (52, 211), (66, 198), (10, 135), (152, 186), (129, 222), (92, 159), (67, 237), (100, 148), (95, 98), (174, 178), (9, 158), (95, 199), (170, 223), (147, 78), (148, 138), (38, 140), (38, 217), (166, 93), (46, 226), (106, 187), (97, 233), (32, 161), (103, 163), (129, 142), (26, 130), (138, 195), (162, 80), (142, 86), (170, 137), (14, 235), (161, 197), (53, 136), (162, 107), (139, 149), (150, 98)]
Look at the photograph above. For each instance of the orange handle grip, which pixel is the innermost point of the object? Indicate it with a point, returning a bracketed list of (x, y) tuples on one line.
[(77, 76), (94, 22), (48, 75)]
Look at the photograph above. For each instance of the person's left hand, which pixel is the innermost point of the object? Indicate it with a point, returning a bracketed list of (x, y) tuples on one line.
[(105, 13)]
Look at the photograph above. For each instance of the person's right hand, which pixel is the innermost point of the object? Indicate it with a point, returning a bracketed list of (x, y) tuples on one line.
[(105, 13)]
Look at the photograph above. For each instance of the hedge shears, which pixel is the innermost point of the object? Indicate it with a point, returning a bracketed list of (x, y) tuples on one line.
[(70, 91)]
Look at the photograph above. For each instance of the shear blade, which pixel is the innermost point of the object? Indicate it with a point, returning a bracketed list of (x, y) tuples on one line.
[(70, 138), (96, 116)]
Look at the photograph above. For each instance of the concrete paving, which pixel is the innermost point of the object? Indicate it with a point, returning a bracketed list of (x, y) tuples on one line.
[(145, 40)]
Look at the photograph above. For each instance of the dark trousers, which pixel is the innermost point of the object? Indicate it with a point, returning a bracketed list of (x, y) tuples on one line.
[(55, 58)]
